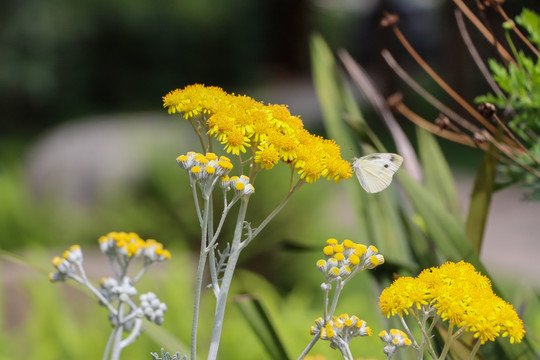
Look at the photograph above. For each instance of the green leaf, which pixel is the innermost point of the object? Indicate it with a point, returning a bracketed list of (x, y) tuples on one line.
[(437, 174), (259, 320), (330, 91), (387, 230), (531, 22), (484, 185), (167, 340), (418, 243), (330, 99), (442, 227)]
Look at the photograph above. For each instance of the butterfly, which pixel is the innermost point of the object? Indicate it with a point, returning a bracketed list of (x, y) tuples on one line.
[(375, 171)]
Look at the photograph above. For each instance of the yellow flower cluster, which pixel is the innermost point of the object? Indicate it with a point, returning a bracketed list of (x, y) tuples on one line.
[(270, 131), (347, 257), (131, 245), (459, 294)]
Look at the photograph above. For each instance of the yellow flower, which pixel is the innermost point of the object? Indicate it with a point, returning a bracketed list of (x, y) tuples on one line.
[(193, 100), (404, 294), (336, 169), (241, 110), (311, 170), (261, 125), (279, 116), (267, 157), (235, 142), (220, 125), (284, 144)]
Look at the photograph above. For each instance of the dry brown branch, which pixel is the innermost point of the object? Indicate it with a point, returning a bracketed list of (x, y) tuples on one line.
[(487, 34)]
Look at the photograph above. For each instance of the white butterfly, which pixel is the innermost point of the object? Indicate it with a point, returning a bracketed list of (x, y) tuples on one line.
[(375, 171)]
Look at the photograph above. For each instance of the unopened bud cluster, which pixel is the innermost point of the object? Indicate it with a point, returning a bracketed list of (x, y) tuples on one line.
[(340, 329), (113, 290), (207, 170), (347, 258), (394, 340), (68, 265), (152, 308), (124, 246)]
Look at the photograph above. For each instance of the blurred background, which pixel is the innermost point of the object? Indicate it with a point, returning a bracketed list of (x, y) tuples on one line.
[(87, 148)]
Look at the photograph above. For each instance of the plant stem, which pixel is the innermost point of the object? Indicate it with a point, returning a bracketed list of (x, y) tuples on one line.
[(199, 279), (411, 336), (448, 342), (516, 30), (135, 333), (199, 130), (475, 349), (99, 295), (475, 55), (196, 199), (325, 309), (434, 129), (391, 61), (109, 344), (276, 210), (337, 292), (441, 82), (221, 301), (308, 348), (487, 34), (117, 337), (425, 334)]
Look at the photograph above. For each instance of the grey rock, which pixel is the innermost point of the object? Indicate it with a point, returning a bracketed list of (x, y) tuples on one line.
[(80, 160)]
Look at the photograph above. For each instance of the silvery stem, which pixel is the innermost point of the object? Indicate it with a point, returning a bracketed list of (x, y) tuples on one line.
[(221, 300), (199, 279)]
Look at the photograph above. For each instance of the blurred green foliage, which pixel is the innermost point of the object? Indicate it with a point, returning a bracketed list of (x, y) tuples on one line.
[(521, 85), (60, 59)]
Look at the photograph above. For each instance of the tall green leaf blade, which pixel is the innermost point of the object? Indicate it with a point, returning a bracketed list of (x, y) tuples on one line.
[(418, 242), (329, 89), (332, 107), (166, 339), (484, 185), (259, 320), (389, 232), (445, 230), (437, 174)]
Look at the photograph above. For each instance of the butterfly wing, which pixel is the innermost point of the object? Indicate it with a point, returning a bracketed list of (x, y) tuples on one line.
[(375, 171)]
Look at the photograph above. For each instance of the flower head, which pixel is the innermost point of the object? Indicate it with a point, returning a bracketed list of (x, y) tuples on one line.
[(459, 294), (270, 131), (193, 100), (235, 142)]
